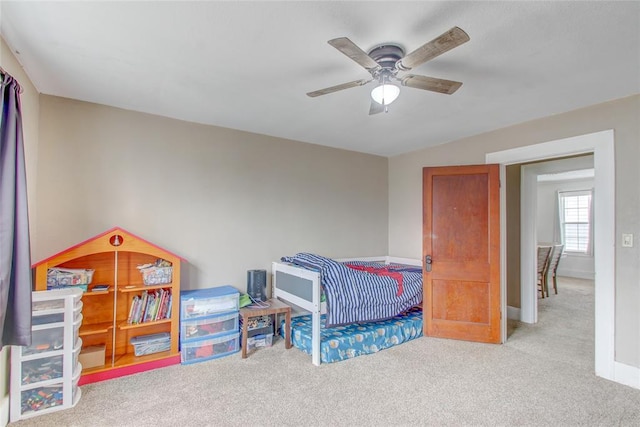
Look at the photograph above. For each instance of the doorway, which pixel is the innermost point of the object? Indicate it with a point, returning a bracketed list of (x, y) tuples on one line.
[(532, 208), (602, 147)]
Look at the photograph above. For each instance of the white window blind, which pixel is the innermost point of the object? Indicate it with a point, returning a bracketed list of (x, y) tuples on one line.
[(575, 214)]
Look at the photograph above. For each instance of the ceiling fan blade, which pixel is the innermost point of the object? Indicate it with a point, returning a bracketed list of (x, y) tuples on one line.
[(336, 88), (444, 43), (430, 83), (350, 49), (375, 108)]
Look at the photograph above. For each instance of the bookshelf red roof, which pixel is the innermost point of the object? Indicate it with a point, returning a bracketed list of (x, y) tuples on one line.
[(114, 229)]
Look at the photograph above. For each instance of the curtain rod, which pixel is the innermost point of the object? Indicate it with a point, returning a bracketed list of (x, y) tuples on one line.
[(2, 71)]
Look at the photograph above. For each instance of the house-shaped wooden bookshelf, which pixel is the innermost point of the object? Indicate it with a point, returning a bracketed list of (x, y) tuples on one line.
[(115, 256)]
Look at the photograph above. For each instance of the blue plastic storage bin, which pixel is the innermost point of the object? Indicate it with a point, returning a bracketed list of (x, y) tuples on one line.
[(209, 348), (209, 326), (205, 302)]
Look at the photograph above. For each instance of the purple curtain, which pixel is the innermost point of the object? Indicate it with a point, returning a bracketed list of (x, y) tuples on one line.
[(15, 254)]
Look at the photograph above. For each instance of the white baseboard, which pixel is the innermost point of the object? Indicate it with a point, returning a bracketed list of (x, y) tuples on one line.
[(627, 375), (513, 313), (4, 385)]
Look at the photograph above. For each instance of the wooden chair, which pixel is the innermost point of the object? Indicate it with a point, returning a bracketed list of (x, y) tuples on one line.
[(554, 260), (543, 265)]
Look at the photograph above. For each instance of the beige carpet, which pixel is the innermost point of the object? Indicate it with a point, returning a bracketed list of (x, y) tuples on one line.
[(542, 376)]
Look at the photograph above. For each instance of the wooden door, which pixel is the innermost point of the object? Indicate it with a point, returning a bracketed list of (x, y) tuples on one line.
[(461, 239)]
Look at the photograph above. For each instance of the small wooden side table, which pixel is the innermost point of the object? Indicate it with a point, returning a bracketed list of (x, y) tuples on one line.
[(275, 307)]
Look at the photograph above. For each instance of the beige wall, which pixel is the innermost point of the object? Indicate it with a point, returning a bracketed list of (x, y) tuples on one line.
[(227, 201), (30, 116), (623, 115)]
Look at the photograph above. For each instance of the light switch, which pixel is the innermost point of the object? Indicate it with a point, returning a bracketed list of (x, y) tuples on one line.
[(627, 240)]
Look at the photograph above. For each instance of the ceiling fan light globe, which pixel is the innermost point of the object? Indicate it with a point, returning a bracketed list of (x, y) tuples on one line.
[(385, 94)]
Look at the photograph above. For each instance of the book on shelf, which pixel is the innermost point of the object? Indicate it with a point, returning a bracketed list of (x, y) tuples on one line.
[(132, 309), (143, 306), (150, 306), (168, 313), (158, 309)]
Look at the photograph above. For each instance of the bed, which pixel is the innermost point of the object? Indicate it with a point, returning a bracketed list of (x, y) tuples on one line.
[(357, 290)]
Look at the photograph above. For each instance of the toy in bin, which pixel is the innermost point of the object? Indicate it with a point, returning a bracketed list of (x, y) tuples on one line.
[(65, 277), (260, 340), (158, 273), (258, 322), (38, 370), (149, 344), (41, 398)]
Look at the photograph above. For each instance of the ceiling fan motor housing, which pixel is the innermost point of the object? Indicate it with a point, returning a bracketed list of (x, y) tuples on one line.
[(387, 55)]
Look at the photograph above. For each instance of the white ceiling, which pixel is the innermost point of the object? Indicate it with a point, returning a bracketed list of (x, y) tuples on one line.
[(248, 65)]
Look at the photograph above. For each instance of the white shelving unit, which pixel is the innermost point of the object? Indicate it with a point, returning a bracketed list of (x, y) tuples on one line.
[(44, 375)]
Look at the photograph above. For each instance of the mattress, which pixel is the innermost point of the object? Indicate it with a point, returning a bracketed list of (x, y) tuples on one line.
[(357, 339)]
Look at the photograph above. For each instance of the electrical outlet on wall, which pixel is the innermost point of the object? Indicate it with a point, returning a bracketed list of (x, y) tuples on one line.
[(627, 240)]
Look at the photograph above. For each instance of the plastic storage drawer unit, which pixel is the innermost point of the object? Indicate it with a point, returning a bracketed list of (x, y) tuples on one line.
[(209, 327), (43, 373), (209, 348), (76, 351), (205, 302)]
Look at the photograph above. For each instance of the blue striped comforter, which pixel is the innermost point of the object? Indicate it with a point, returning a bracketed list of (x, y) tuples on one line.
[(358, 296)]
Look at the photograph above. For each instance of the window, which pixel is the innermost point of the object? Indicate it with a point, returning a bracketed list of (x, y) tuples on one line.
[(575, 220)]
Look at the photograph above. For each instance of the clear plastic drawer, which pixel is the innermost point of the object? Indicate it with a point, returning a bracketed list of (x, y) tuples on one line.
[(206, 302), (38, 370), (205, 349), (45, 340), (209, 327), (41, 398)]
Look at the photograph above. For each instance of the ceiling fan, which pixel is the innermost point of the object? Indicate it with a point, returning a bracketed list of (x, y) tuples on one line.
[(384, 62)]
